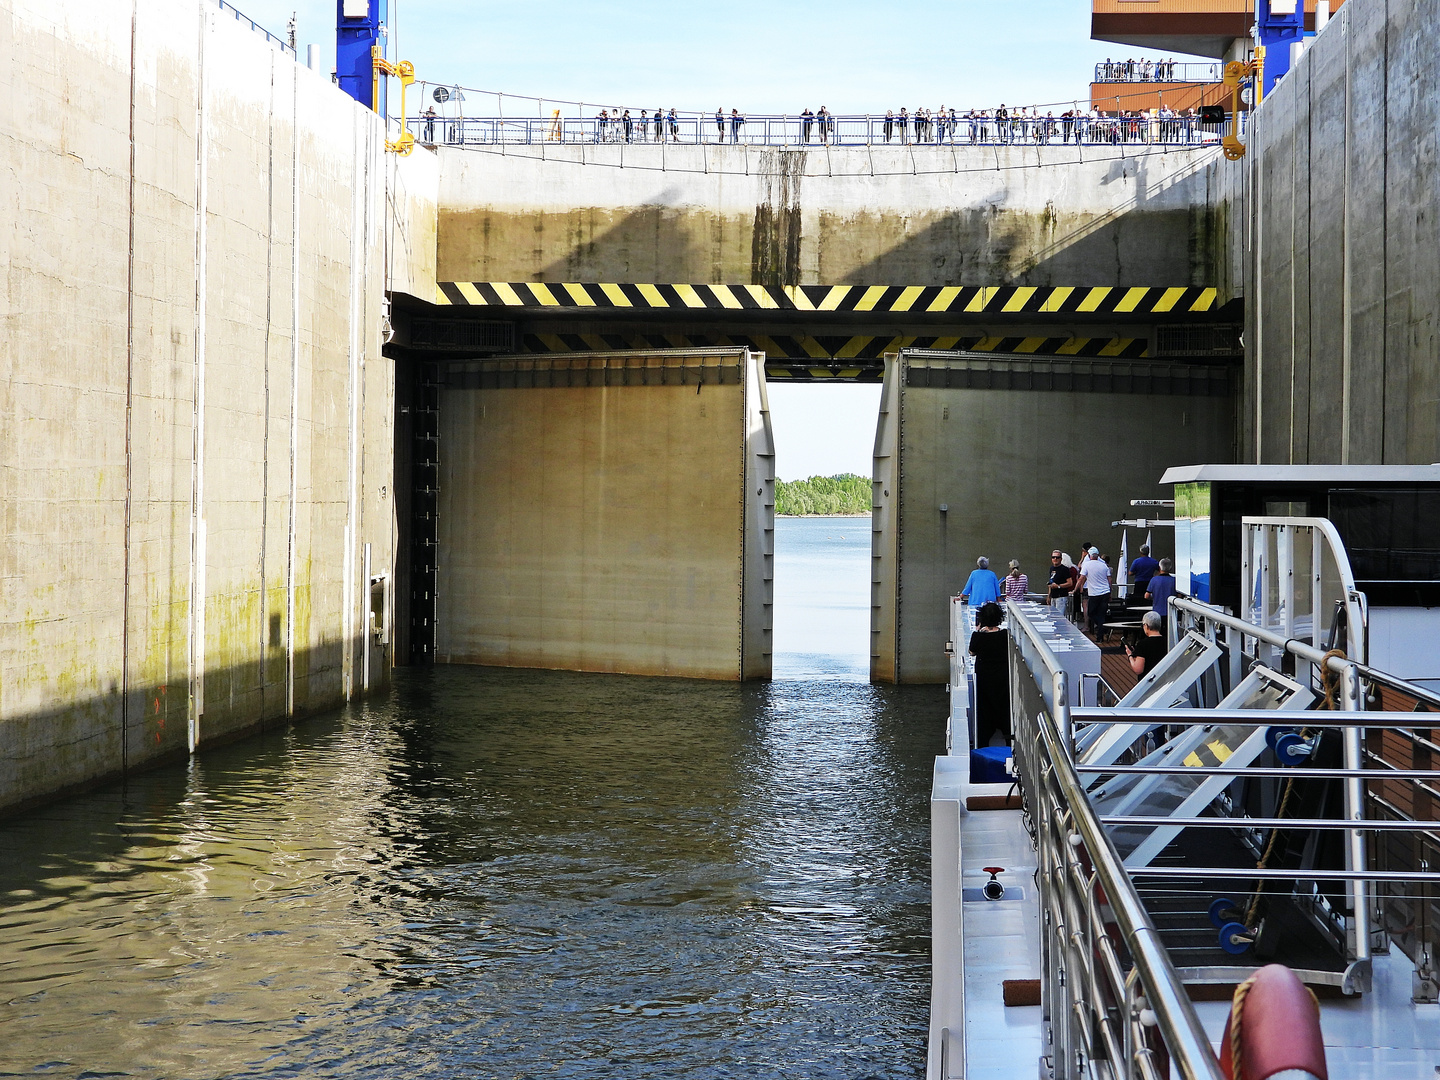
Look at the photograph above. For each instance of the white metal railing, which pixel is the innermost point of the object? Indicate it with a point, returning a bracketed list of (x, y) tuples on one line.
[(981, 129), (240, 17), (1295, 573), (1360, 798), (1161, 71), (1113, 1003)]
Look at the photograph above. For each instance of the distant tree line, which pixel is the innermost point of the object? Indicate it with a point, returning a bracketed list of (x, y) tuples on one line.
[(843, 494)]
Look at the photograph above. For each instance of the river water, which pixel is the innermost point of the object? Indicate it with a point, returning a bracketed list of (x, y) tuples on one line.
[(495, 873)]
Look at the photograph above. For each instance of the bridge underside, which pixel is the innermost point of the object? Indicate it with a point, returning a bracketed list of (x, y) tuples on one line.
[(819, 333)]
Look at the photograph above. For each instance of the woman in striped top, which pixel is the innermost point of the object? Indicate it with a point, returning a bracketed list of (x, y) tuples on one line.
[(1016, 584)]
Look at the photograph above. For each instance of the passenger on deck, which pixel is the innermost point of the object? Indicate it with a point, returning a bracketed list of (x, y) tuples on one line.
[(990, 648), (982, 587), (1095, 580), (1147, 651), (1162, 587), (1142, 570), (1016, 584), (1062, 578)]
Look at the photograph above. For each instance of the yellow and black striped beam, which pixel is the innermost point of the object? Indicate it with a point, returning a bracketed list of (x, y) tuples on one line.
[(838, 356), (880, 299)]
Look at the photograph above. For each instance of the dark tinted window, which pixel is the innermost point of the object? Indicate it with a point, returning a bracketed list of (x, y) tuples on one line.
[(1390, 535)]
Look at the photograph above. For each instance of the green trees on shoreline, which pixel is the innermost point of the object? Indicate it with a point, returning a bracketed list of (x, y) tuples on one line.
[(842, 494)]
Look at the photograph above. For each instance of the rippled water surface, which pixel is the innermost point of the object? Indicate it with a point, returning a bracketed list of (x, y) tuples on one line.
[(496, 873)]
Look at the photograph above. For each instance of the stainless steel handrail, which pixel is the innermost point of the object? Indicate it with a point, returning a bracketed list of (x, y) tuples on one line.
[(1077, 865), (1302, 650)]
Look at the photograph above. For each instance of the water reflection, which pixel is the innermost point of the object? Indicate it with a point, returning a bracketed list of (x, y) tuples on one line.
[(494, 873)]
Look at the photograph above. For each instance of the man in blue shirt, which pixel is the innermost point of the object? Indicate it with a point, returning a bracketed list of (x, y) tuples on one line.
[(1162, 587), (1142, 570), (982, 586)]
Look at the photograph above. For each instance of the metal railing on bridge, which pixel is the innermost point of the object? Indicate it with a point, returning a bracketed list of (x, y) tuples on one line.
[(833, 131), (1161, 71), (240, 17)]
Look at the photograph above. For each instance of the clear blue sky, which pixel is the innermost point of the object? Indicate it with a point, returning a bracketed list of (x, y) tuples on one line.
[(747, 54), (758, 57)]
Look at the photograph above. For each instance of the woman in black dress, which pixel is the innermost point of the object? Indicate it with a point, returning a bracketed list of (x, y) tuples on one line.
[(990, 647)]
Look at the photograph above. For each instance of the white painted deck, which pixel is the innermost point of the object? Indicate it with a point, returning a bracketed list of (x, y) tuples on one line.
[(1001, 941)]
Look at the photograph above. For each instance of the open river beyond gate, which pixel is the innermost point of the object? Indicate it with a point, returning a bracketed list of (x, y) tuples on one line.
[(495, 873)]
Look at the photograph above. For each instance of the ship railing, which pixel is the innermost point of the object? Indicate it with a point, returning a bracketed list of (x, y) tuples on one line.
[(1300, 586), (1393, 886), (1158, 71), (838, 132), (1112, 1001)]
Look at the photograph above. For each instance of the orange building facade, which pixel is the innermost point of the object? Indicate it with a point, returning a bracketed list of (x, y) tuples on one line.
[(1219, 29)]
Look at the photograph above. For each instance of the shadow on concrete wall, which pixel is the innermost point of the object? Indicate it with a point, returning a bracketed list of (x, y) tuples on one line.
[(1168, 238), (1168, 233), (49, 754)]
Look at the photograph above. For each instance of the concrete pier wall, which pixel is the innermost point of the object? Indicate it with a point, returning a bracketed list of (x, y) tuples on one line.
[(1338, 233), (608, 512), (925, 215), (195, 435), (1009, 459)]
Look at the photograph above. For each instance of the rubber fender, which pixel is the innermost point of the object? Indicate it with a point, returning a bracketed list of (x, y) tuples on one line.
[(1280, 1036)]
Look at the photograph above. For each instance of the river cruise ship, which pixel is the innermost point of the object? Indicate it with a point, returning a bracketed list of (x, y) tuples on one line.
[(1229, 867)]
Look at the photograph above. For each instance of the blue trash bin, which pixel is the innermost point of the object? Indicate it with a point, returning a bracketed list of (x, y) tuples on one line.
[(987, 765)]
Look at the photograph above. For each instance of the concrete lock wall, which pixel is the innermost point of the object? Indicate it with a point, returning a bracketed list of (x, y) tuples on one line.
[(1024, 456), (925, 215), (196, 444), (1340, 239), (608, 512)]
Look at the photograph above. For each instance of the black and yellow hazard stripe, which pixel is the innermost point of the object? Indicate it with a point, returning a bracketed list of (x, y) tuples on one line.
[(880, 299), (837, 349)]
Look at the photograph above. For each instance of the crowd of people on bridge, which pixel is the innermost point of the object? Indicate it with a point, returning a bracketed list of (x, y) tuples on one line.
[(1135, 70), (923, 126)]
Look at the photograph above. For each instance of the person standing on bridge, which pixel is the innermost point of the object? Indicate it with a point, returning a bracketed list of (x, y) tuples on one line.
[(736, 120), (719, 125), (659, 126), (807, 118), (982, 586), (889, 124), (823, 118), (627, 124), (674, 127), (904, 121)]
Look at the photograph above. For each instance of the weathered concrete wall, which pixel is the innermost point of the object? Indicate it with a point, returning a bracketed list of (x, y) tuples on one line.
[(1019, 472), (1029, 215), (1340, 193), (608, 513), (410, 227), (195, 414)]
